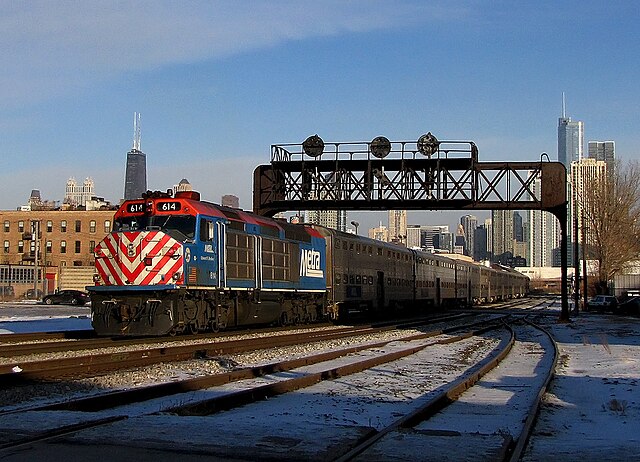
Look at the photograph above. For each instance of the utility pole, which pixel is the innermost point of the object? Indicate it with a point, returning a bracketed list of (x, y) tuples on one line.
[(35, 227)]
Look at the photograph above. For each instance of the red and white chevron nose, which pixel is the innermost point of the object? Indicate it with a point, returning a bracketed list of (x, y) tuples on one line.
[(139, 258)]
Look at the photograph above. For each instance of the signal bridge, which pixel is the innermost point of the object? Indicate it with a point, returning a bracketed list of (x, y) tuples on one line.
[(427, 174)]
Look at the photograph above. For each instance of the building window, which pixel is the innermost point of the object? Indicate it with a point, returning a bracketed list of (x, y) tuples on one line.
[(63, 263), (49, 246), (78, 226), (21, 226), (63, 246), (78, 246), (92, 246), (6, 226), (20, 247), (49, 226), (6, 246), (107, 226), (63, 226), (92, 226)]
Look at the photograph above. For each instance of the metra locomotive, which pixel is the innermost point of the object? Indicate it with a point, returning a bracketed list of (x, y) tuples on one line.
[(179, 264)]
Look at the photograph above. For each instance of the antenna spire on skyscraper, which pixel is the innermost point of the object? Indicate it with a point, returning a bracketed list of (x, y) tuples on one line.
[(564, 108), (135, 177), (136, 131)]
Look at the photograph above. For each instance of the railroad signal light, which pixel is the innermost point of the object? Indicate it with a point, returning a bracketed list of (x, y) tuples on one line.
[(380, 147), (313, 146), (428, 144)]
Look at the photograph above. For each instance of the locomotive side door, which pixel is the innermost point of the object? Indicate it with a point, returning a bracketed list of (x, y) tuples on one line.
[(203, 264)]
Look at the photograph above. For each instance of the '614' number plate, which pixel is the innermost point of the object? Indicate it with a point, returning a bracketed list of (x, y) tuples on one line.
[(168, 206)]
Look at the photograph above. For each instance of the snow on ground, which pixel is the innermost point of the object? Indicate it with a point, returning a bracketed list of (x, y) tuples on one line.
[(591, 410), (30, 317)]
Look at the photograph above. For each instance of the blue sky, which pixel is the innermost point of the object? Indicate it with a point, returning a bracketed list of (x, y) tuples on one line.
[(218, 82)]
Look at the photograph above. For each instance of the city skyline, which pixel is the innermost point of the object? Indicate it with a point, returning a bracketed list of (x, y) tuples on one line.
[(254, 74)]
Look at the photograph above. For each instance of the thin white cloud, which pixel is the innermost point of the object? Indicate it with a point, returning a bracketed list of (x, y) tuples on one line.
[(49, 47)]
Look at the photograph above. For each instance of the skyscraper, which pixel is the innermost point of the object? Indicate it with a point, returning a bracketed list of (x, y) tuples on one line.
[(544, 233), (413, 236), (570, 138), (480, 243), (518, 229), (469, 224), (584, 174), (603, 150), (135, 182), (398, 226), (502, 230)]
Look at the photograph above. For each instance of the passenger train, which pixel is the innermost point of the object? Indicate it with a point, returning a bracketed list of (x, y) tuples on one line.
[(175, 264)]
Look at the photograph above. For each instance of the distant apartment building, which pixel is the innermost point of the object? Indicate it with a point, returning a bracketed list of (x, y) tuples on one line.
[(63, 239), (430, 236), (77, 195), (334, 219), (381, 233)]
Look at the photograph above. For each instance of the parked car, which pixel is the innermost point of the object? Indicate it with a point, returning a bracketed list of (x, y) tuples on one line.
[(66, 297), (603, 303)]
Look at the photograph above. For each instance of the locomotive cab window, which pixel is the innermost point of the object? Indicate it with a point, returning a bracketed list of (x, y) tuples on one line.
[(179, 227)]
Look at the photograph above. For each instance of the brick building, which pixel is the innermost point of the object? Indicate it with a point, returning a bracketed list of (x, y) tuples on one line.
[(66, 238)]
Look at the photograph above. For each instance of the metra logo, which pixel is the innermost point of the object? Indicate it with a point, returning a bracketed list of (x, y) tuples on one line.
[(310, 264)]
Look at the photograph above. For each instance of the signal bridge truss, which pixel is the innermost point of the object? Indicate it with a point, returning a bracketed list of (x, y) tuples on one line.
[(354, 176), (426, 174)]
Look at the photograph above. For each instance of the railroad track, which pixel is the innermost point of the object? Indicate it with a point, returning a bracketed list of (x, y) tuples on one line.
[(49, 342), (230, 400), (420, 414), (460, 421), (142, 353)]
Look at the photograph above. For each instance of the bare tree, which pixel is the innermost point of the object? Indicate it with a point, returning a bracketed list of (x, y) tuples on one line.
[(611, 214)]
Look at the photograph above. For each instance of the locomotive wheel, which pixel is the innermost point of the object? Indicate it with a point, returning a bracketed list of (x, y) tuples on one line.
[(284, 319)]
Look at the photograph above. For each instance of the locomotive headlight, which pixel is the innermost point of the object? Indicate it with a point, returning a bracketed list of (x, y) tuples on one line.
[(96, 277), (176, 276)]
